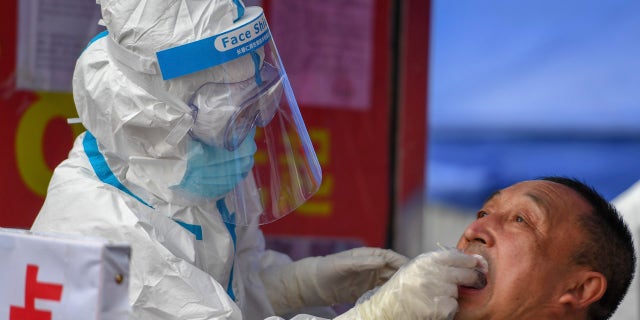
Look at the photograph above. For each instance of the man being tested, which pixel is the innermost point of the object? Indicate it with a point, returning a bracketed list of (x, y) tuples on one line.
[(547, 249)]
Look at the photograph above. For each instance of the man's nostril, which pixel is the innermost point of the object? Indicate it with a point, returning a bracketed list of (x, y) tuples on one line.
[(480, 240)]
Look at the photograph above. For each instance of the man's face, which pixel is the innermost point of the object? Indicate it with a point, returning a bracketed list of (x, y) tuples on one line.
[(527, 233)]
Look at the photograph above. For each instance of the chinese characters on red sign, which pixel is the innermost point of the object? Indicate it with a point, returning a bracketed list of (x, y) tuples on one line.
[(35, 290)]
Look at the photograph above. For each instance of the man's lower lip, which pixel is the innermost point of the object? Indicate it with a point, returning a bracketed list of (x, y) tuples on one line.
[(462, 290)]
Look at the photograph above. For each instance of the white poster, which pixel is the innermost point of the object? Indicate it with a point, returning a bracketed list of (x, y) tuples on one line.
[(56, 277), (326, 48), (51, 36)]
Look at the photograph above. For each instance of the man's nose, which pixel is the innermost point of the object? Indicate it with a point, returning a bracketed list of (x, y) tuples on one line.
[(481, 231)]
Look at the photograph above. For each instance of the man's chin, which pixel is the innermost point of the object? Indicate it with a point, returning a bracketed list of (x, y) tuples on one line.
[(470, 301)]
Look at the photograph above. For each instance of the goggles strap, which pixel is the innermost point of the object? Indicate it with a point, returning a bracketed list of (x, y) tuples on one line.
[(256, 63), (240, 8)]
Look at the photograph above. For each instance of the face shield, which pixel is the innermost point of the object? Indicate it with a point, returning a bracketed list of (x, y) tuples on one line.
[(248, 143)]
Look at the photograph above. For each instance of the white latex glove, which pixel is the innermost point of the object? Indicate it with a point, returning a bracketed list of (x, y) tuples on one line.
[(328, 280), (425, 288)]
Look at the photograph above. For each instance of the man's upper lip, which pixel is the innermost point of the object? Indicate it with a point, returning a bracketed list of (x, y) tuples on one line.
[(478, 252), (482, 253), (475, 248)]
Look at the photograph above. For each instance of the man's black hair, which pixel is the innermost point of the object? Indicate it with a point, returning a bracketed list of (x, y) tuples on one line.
[(608, 247)]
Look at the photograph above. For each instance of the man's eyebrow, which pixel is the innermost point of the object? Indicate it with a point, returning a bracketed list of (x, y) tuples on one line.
[(539, 201), (493, 195)]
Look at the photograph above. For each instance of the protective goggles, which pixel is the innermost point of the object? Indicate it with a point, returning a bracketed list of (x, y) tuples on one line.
[(224, 113)]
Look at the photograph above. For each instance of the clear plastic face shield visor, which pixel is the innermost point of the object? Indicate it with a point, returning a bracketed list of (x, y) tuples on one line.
[(249, 145)]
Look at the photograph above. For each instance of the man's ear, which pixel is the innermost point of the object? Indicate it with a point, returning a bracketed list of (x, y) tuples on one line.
[(585, 288)]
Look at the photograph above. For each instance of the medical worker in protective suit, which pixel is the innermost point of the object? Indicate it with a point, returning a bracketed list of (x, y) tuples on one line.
[(193, 140)]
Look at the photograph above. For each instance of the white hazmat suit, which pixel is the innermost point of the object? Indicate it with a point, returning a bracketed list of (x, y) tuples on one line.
[(130, 177)]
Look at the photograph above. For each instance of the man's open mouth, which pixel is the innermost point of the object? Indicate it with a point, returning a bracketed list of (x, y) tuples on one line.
[(482, 268)]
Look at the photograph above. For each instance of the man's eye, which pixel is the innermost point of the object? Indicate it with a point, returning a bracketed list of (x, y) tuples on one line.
[(520, 219), (482, 214)]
